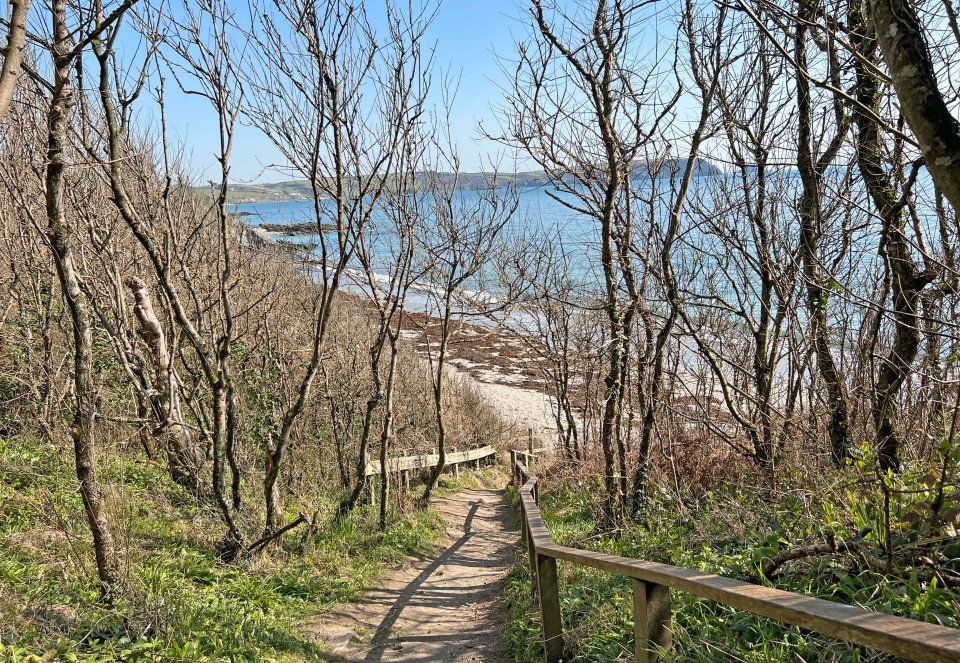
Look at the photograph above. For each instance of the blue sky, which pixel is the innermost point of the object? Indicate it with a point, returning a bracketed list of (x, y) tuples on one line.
[(468, 37)]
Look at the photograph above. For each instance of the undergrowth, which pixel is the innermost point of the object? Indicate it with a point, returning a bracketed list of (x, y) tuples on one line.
[(179, 603), (732, 531)]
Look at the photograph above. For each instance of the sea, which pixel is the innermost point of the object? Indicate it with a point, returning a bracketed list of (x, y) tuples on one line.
[(539, 214), (713, 217)]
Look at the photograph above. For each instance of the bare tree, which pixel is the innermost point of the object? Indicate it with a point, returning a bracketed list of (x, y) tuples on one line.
[(200, 41), (583, 108), (811, 166), (61, 236), (361, 97), (551, 309), (903, 280), (748, 277), (388, 244), (459, 240), (13, 51)]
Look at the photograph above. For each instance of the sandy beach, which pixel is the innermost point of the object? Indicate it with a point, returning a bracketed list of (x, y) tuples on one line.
[(502, 368)]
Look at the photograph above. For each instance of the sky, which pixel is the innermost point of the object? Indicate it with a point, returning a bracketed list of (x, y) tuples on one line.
[(467, 36)]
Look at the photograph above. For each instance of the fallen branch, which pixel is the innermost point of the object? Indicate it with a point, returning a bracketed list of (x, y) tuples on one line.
[(944, 577), (830, 546), (261, 543)]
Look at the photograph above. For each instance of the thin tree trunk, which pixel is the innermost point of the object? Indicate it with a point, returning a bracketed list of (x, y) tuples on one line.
[(59, 233), (375, 396), (387, 433), (903, 279), (438, 381), (810, 231), (277, 454)]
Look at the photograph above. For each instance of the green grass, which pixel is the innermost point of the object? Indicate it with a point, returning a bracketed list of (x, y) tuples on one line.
[(180, 603), (729, 532), (492, 476)]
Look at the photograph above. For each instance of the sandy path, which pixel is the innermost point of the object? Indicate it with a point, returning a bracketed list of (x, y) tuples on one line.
[(445, 608)]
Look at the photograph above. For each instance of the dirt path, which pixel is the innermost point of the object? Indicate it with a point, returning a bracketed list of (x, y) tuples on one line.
[(443, 609)]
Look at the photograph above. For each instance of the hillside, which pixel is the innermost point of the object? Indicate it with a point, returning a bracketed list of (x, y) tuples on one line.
[(300, 189)]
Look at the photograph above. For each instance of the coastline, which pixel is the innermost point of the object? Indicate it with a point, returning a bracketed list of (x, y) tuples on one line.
[(507, 375), (499, 365)]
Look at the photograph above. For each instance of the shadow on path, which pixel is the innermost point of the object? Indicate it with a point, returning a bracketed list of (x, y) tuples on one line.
[(405, 596), (444, 609)]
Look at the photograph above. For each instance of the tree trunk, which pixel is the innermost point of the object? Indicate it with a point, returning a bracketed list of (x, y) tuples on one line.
[(271, 491), (387, 433), (902, 277), (234, 541), (438, 402), (810, 232), (361, 481), (183, 466), (13, 55), (904, 46), (59, 233)]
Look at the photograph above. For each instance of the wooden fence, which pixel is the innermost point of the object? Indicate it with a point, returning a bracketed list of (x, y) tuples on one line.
[(907, 638), (453, 459)]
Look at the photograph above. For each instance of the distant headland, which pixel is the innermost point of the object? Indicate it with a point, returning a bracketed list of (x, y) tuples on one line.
[(473, 181)]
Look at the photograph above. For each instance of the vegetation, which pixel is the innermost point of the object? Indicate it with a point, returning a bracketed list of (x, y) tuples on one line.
[(218, 400), (753, 378), (733, 528), (180, 602), (749, 333)]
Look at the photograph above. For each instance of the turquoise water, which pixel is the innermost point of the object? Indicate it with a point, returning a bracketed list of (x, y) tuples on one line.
[(537, 215), (713, 223)]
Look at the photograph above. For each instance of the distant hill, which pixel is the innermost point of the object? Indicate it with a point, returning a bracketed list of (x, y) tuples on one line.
[(300, 189), (701, 168)]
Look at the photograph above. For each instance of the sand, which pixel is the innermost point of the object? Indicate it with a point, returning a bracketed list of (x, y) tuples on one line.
[(519, 407)]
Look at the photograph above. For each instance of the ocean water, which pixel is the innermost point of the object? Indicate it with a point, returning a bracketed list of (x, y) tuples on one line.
[(536, 210), (537, 215), (713, 221)]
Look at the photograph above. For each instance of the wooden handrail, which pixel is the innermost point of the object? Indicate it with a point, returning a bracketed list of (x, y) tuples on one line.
[(401, 463), (907, 638)]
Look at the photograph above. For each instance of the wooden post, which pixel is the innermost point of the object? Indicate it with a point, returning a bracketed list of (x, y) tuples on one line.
[(456, 468), (513, 466), (529, 441), (550, 609), (523, 523), (534, 571), (651, 618)]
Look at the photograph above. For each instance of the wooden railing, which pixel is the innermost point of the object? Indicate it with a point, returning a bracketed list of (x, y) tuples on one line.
[(907, 638), (453, 459)]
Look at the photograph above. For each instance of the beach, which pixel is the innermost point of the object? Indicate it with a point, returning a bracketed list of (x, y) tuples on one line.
[(502, 367)]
